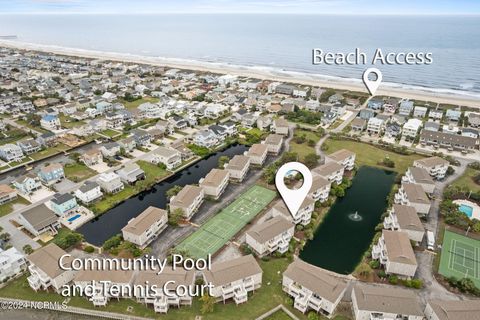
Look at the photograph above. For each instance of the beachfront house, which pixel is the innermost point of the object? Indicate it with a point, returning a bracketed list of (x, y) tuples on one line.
[(372, 302), (436, 166), (88, 192), (405, 218), (257, 154), (270, 236), (238, 167), (215, 183), (145, 227), (110, 182), (234, 279), (394, 252), (412, 194), (189, 200), (63, 204), (45, 272), (313, 288)]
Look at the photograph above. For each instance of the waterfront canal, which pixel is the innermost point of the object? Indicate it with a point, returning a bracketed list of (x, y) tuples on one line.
[(111, 222), (343, 236)]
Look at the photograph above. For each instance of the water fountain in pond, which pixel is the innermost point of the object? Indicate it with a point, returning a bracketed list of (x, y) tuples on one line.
[(355, 216)]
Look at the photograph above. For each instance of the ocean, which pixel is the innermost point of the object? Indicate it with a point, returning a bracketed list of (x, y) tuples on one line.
[(280, 43)]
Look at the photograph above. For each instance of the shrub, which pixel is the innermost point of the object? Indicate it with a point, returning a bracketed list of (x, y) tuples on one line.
[(312, 316), (393, 279), (67, 238), (374, 264), (113, 242), (89, 249), (27, 249), (382, 274)]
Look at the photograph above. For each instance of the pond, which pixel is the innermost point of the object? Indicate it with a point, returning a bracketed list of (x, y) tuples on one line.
[(348, 228), (111, 222)]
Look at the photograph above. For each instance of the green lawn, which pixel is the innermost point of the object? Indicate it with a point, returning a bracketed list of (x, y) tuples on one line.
[(28, 125), (12, 136), (279, 315), (153, 172), (304, 149), (110, 133), (49, 151), (134, 104), (466, 180), (78, 172), (8, 207), (369, 155), (69, 122), (110, 201)]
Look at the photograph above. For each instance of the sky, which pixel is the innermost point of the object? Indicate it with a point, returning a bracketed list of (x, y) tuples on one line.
[(243, 6)]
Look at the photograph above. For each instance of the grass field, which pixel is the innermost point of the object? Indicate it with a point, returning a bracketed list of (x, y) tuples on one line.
[(370, 155), (303, 149), (211, 236), (466, 180), (49, 151), (78, 172), (460, 257), (8, 207), (134, 104)]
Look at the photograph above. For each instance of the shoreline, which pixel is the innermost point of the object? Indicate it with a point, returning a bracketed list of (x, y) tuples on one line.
[(444, 96)]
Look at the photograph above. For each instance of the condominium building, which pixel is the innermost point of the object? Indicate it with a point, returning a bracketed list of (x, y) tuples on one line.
[(405, 218), (313, 288), (421, 177), (171, 158), (280, 126), (331, 171), (374, 302), (320, 189), (257, 153), (234, 279), (274, 143), (238, 167), (436, 166), (270, 236), (215, 183), (145, 227), (395, 253), (12, 263), (452, 310), (161, 300), (412, 194), (45, 271), (344, 157), (189, 199), (110, 182), (303, 215)]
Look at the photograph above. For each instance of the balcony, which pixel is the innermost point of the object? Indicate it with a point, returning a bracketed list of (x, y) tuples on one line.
[(160, 305), (315, 303), (240, 295), (301, 303), (390, 222), (99, 300), (34, 282)]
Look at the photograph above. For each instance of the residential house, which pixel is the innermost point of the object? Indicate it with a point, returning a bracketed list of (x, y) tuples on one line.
[(88, 192), (47, 139), (330, 171), (146, 227), (230, 128), (280, 126), (274, 143), (92, 157), (421, 177), (50, 122), (29, 146), (63, 204), (45, 271), (115, 120), (12, 263), (406, 107), (215, 183), (189, 200), (205, 138), (373, 302), (284, 89), (411, 128), (366, 114), (358, 124), (131, 173), (339, 109), (393, 130), (420, 112), (412, 194), (142, 137), (344, 157), (452, 309), (161, 300), (453, 115), (7, 194), (435, 114), (10, 152), (219, 132), (320, 189), (234, 279), (128, 144), (375, 125), (431, 126), (39, 220), (395, 253), (313, 288), (171, 158), (27, 184), (110, 182), (51, 173), (436, 166), (375, 104), (150, 110), (238, 167), (270, 236), (474, 119), (165, 126), (257, 154), (405, 218), (110, 150)]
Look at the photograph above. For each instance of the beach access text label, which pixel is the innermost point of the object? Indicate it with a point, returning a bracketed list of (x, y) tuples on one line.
[(380, 57)]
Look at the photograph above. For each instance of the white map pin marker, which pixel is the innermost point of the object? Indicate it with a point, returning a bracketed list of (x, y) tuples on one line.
[(372, 85), (293, 198)]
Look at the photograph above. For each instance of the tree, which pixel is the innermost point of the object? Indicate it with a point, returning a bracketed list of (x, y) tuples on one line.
[(27, 249), (5, 236), (173, 191), (113, 242), (175, 217), (364, 269), (222, 161), (67, 238), (312, 315), (208, 303), (311, 160)]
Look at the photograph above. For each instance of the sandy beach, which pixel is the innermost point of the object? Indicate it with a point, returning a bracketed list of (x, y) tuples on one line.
[(446, 96)]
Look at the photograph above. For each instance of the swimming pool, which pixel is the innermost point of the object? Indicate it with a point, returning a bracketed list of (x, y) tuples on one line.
[(466, 209), (75, 217)]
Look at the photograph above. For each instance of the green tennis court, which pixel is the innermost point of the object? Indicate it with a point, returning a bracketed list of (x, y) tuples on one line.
[(217, 231), (460, 257)]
